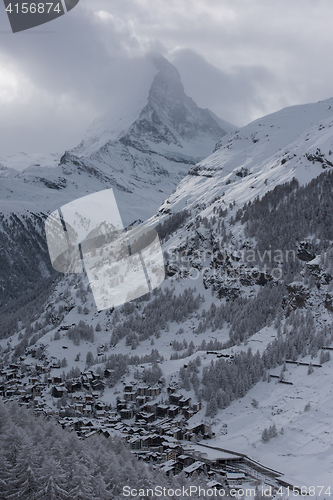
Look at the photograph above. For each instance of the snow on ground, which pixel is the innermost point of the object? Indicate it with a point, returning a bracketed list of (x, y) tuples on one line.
[(269, 151), (304, 451)]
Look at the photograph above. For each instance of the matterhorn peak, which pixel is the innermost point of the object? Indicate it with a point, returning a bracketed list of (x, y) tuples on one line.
[(160, 115)]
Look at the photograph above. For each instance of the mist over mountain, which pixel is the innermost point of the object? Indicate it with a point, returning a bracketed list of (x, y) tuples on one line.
[(247, 238), (142, 150)]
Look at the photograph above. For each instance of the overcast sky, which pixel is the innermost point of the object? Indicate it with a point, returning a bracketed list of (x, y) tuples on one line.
[(240, 58)]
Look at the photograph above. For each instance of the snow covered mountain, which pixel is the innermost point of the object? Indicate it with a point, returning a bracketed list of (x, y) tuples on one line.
[(142, 149), (294, 142), (247, 236)]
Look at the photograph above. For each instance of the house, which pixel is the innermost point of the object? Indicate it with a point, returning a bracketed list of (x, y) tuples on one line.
[(87, 409), (59, 391), (184, 402), (162, 410), (187, 412), (197, 467), (126, 413), (135, 443), (55, 380), (154, 391), (147, 417), (175, 398), (235, 478), (37, 391), (121, 405), (130, 396), (79, 407), (169, 468), (196, 407), (185, 460), (173, 411), (98, 385), (140, 400), (169, 454), (142, 391)]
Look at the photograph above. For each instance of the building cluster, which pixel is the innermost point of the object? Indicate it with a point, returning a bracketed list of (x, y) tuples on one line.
[(156, 431)]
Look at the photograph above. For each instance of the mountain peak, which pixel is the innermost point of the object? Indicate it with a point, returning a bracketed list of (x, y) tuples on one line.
[(160, 115)]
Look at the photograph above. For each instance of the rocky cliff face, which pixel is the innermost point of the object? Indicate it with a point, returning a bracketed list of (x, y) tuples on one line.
[(170, 116), (141, 150)]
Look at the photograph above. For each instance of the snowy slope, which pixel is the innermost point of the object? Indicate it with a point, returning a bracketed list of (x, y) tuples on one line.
[(142, 149), (294, 142), (135, 160)]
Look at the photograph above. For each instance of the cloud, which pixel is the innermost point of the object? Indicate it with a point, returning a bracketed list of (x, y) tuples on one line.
[(240, 58)]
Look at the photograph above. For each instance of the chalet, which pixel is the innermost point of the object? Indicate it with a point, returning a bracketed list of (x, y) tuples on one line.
[(126, 413), (169, 468), (214, 484), (79, 407), (199, 429), (130, 396), (197, 467), (187, 412), (121, 405), (185, 460), (196, 407), (140, 400), (100, 413), (169, 454), (142, 391), (106, 433), (98, 385), (76, 386), (173, 411), (37, 391), (135, 443), (154, 391), (58, 391), (235, 478), (150, 407), (55, 380), (87, 409), (100, 405), (128, 388), (175, 398), (162, 410), (147, 417), (184, 402), (176, 433), (14, 366)]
